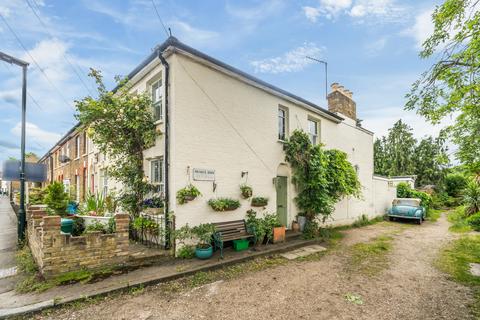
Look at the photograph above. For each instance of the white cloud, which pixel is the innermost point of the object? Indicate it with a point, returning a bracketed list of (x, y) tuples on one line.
[(371, 11), (193, 36), (34, 134), (311, 13), (421, 29), (291, 61)]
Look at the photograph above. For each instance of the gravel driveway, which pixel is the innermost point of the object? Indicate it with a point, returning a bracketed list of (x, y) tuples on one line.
[(409, 287)]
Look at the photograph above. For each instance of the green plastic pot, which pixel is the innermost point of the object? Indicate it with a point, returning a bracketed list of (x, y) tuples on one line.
[(66, 225), (240, 245)]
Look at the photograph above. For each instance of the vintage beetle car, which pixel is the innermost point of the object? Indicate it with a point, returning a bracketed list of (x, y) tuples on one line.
[(407, 208)]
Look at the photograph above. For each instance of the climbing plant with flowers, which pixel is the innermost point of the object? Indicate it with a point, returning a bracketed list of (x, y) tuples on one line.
[(121, 124)]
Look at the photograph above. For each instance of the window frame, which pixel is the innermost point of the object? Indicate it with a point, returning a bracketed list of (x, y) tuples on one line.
[(160, 184), (156, 86), (317, 127), (285, 118)]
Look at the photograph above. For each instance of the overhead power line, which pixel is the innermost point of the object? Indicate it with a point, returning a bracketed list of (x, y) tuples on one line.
[(35, 62), (160, 18), (52, 36)]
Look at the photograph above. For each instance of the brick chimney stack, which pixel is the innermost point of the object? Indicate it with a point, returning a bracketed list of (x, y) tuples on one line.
[(340, 101)]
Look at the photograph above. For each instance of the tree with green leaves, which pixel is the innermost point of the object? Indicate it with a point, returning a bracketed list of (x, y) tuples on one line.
[(122, 125), (393, 154), (322, 177), (399, 153), (451, 86)]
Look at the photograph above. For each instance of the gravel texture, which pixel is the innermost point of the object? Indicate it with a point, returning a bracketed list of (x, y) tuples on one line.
[(410, 287)]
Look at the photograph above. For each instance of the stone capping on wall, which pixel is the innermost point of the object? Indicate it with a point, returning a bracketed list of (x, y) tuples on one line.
[(56, 252)]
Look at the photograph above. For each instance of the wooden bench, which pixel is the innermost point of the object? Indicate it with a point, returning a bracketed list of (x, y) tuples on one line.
[(231, 230)]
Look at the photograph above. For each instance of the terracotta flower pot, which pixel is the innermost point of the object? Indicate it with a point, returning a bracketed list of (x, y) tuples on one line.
[(278, 234), (295, 226)]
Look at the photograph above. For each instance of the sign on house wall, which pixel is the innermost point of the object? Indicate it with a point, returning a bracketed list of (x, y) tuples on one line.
[(203, 174)]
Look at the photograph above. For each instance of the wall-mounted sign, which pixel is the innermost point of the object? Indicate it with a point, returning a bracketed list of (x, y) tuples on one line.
[(203, 174)]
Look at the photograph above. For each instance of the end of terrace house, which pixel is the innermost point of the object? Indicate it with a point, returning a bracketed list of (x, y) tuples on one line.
[(224, 128)]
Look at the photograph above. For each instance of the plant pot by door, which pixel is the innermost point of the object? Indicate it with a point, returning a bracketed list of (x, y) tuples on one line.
[(278, 234), (302, 221), (295, 226)]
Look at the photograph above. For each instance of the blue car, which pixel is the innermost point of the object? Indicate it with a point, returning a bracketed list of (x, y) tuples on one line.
[(407, 208)]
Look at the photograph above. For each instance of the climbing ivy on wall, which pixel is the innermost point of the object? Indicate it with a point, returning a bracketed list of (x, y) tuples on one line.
[(321, 176)]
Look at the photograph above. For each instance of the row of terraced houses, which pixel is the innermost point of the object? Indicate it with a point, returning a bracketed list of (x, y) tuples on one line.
[(222, 128)]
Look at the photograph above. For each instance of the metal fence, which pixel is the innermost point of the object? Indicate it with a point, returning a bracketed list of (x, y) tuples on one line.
[(148, 229)]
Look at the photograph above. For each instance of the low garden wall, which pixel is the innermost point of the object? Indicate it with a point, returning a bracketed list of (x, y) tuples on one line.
[(57, 253)]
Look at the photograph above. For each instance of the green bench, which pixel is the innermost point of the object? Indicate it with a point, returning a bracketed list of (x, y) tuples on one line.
[(231, 230)]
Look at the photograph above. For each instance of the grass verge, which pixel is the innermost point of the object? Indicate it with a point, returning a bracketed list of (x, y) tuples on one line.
[(458, 220), (369, 258), (455, 259), (434, 214)]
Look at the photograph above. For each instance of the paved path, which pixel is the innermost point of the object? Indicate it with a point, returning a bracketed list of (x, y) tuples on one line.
[(8, 242), (407, 287)]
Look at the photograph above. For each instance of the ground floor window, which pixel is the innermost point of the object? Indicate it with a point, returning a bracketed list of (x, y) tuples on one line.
[(156, 174)]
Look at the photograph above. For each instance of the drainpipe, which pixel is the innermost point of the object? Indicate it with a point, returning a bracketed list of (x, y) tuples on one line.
[(166, 155), (51, 167)]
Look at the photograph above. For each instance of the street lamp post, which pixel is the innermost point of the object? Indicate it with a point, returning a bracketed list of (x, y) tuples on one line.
[(21, 211), (326, 73)]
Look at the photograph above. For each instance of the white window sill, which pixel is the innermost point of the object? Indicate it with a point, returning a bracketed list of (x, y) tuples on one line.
[(157, 122), (282, 141)]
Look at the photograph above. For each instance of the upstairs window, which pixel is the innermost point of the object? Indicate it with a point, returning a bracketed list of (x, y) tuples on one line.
[(84, 138), (282, 124), (313, 131), (157, 95)]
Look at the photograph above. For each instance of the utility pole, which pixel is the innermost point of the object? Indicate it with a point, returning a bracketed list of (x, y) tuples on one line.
[(326, 73), (21, 211)]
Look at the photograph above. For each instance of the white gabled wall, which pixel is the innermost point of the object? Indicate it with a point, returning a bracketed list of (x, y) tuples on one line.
[(222, 123)]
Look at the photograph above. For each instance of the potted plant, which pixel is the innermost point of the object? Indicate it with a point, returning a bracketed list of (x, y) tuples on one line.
[(204, 232), (153, 205), (295, 226), (255, 226), (273, 227), (246, 191), (224, 204), (94, 210), (188, 193), (279, 233), (259, 201)]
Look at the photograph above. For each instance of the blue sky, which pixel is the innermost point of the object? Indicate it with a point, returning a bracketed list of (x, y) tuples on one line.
[(371, 47)]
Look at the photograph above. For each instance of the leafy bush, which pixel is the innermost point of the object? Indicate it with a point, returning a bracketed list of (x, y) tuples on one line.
[(95, 226), (78, 226), (224, 204), (311, 230), (259, 201), (458, 218), (188, 193), (111, 203), (472, 197), (36, 195), (255, 225), (56, 198), (474, 221), (145, 224), (405, 191), (186, 252), (112, 225), (322, 177), (204, 233), (270, 221), (454, 184)]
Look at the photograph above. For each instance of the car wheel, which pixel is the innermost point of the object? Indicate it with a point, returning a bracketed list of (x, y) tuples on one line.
[(391, 218), (419, 221)]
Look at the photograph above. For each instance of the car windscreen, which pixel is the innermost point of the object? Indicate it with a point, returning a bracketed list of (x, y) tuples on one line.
[(407, 202)]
